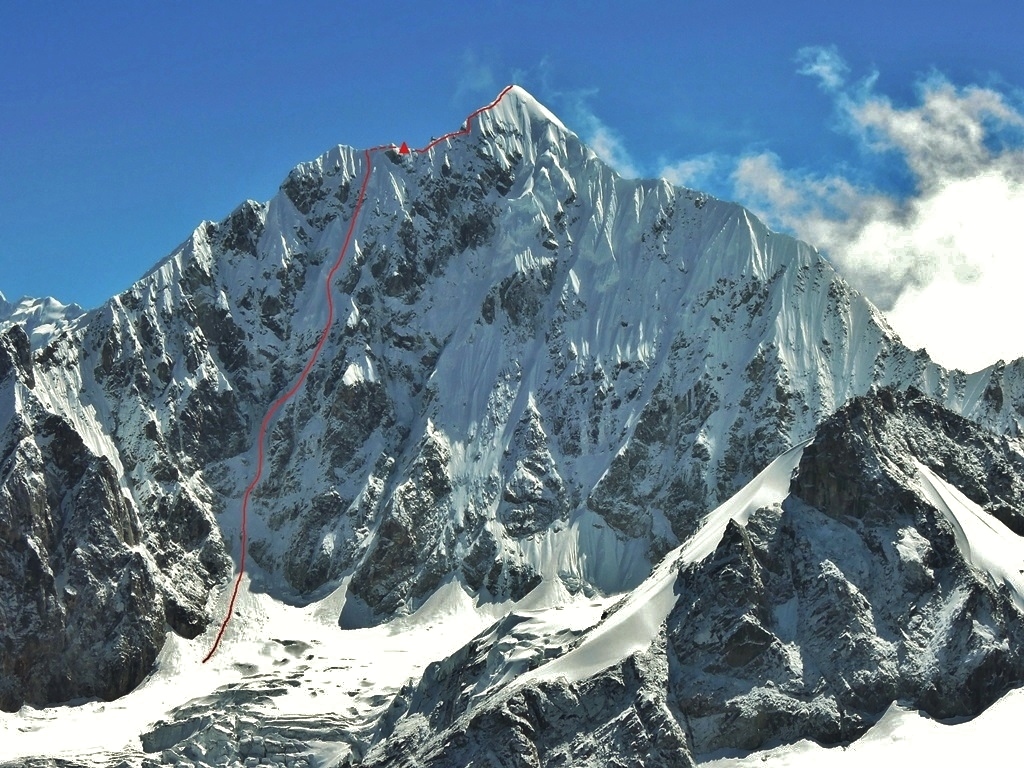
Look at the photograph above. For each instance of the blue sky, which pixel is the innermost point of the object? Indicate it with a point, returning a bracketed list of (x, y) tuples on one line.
[(123, 125)]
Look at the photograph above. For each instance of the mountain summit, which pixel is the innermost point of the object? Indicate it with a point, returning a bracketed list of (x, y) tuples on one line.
[(541, 380)]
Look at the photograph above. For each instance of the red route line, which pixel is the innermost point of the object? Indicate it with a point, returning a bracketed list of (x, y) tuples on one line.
[(469, 123), (283, 399)]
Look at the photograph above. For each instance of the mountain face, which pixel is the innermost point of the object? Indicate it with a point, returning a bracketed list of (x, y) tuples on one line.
[(541, 377)]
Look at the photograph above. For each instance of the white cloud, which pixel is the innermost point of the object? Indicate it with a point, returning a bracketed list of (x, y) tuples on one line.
[(947, 135), (944, 260), (823, 63), (605, 142)]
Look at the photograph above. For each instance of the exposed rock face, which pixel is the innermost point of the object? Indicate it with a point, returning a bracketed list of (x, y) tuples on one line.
[(537, 370), (69, 567), (902, 427), (86, 587), (810, 620), (617, 717), (16, 356)]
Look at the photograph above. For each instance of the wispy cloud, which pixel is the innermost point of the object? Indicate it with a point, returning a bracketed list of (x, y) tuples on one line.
[(823, 63), (698, 172), (575, 104), (606, 142), (476, 77)]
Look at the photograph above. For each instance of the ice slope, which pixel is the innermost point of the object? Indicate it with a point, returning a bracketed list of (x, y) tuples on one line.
[(506, 288), (906, 737), (987, 544), (637, 620), (541, 377)]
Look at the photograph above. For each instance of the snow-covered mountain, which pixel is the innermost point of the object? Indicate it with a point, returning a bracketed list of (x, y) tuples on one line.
[(41, 319), (541, 380)]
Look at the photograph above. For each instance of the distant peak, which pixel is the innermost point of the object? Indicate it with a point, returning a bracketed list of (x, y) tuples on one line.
[(39, 317), (516, 107), (528, 102)]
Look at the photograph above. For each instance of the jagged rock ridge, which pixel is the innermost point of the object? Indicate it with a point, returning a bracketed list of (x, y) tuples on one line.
[(806, 621)]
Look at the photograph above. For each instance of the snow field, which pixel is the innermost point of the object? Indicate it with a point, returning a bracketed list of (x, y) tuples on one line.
[(906, 737)]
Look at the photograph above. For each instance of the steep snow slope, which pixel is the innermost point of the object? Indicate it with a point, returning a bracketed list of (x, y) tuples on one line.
[(527, 337), (637, 620), (986, 543)]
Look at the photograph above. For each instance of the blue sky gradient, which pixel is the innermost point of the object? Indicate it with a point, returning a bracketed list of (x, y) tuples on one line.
[(123, 125)]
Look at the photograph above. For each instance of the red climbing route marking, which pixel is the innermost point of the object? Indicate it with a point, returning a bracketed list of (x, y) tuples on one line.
[(288, 395), (467, 125)]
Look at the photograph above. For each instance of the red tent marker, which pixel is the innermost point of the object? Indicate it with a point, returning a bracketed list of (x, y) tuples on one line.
[(404, 149)]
